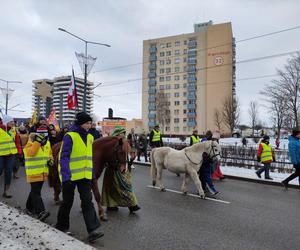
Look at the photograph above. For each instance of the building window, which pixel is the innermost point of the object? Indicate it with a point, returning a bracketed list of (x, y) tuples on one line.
[(168, 78), (168, 45), (168, 95), (185, 42), (176, 94), (162, 54), (184, 102), (176, 86), (153, 45), (184, 119), (184, 85), (177, 78), (177, 69), (162, 62), (184, 77), (192, 101), (176, 112), (185, 51), (185, 68), (184, 129), (177, 43), (168, 120), (184, 59), (161, 71), (177, 103), (184, 111), (176, 129), (168, 53), (184, 94), (168, 70), (177, 52), (162, 45), (190, 129), (177, 60), (168, 86), (167, 129), (161, 87), (161, 79), (168, 61), (176, 120)]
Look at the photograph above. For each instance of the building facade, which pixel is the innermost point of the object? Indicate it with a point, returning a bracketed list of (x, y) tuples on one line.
[(186, 79), (49, 93)]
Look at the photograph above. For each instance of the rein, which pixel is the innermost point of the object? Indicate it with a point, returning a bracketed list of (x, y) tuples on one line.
[(191, 160), (211, 150)]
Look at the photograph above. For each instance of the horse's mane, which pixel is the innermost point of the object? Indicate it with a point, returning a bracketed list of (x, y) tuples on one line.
[(199, 146), (109, 142)]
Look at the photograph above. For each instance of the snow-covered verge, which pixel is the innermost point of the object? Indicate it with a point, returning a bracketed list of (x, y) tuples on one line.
[(19, 231)]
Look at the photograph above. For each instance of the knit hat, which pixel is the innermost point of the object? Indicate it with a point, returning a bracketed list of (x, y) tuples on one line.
[(42, 130), (266, 137), (6, 119), (82, 118), (118, 131)]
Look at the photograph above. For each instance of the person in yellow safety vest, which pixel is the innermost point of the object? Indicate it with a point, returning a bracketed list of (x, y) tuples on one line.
[(194, 138), (38, 157), (265, 155), (76, 169), (10, 148), (155, 138)]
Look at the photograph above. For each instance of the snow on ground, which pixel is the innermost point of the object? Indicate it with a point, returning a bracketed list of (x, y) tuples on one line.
[(21, 232)]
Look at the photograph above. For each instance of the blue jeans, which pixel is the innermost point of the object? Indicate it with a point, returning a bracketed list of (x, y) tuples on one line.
[(205, 178), (7, 163), (265, 168)]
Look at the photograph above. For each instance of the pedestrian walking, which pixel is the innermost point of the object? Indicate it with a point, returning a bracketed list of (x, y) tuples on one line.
[(265, 155), (194, 137), (244, 142), (10, 148), (76, 169), (142, 146), (38, 157), (294, 152)]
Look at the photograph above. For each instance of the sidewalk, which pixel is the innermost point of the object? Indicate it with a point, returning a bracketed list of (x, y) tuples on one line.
[(19, 231)]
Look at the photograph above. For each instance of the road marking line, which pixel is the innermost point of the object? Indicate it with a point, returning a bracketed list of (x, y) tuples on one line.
[(192, 195)]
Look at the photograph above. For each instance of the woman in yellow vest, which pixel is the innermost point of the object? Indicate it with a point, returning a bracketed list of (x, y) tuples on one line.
[(265, 155), (8, 151), (76, 169), (38, 156), (194, 138), (155, 138)]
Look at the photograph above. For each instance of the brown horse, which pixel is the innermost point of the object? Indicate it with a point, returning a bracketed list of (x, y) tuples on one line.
[(107, 152)]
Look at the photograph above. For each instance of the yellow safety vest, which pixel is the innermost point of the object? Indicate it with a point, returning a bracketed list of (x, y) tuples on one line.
[(156, 135), (7, 144), (81, 163), (266, 154), (36, 167), (195, 139)]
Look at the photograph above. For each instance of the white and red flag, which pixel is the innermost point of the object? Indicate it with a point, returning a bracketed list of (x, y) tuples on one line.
[(72, 96)]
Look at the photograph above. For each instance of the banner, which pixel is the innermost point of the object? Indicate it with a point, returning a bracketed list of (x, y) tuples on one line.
[(53, 120), (33, 119), (72, 95)]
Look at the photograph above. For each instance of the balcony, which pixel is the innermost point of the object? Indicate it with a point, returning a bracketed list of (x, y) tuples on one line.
[(191, 61), (152, 82), (152, 58), (191, 114), (192, 52), (152, 50), (192, 79), (151, 107), (152, 67), (151, 99), (191, 87), (152, 75), (191, 97), (151, 116), (152, 91), (151, 124), (191, 106), (192, 123), (192, 44), (192, 70)]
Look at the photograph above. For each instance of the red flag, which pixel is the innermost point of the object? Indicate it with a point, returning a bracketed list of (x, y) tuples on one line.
[(72, 96)]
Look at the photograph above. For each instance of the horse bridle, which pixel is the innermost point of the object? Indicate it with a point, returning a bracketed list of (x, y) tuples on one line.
[(211, 150)]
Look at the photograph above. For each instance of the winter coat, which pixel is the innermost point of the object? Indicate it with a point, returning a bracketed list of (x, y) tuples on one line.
[(294, 149), (66, 152), (95, 133)]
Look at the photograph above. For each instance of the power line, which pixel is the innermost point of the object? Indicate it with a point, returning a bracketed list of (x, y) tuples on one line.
[(238, 41)]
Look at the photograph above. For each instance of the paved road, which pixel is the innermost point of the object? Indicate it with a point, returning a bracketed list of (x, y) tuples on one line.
[(257, 217)]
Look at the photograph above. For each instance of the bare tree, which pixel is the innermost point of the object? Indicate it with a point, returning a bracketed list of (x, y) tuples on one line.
[(231, 112), (163, 115), (253, 113), (218, 119)]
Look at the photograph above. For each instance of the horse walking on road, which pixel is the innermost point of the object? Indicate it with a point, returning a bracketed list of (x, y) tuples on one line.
[(187, 161)]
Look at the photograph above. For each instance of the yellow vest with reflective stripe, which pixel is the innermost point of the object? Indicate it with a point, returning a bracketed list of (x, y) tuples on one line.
[(156, 135), (36, 167), (195, 139), (7, 144), (81, 163), (266, 154)]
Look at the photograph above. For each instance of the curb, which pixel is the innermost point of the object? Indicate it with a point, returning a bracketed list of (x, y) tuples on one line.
[(233, 177)]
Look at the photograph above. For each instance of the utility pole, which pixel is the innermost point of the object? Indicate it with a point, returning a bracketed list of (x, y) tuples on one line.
[(7, 92)]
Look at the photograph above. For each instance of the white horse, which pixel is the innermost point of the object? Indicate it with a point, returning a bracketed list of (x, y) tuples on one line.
[(187, 161)]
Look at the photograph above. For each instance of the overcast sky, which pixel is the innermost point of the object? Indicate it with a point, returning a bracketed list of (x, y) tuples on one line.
[(33, 48)]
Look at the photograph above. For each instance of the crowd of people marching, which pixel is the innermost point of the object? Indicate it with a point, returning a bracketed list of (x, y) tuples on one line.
[(32, 147)]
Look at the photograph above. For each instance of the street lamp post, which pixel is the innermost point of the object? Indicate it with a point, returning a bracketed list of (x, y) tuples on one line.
[(85, 64), (6, 94)]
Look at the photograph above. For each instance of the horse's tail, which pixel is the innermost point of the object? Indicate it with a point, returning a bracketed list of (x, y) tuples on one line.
[(153, 167)]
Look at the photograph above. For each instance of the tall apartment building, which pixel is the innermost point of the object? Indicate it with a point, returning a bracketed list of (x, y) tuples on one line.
[(49, 93), (186, 78)]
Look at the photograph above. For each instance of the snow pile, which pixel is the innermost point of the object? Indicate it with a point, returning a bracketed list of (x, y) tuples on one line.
[(21, 232)]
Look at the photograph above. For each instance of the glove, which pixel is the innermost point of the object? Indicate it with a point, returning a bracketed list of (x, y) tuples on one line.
[(50, 163), (258, 158), (39, 138)]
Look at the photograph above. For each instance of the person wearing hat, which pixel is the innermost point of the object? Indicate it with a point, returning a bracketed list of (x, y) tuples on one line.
[(42, 122), (155, 138), (195, 137), (38, 158), (76, 169), (142, 146), (10, 148), (294, 152), (265, 155), (117, 188)]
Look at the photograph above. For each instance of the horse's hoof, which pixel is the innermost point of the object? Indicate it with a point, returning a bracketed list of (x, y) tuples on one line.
[(153, 183), (202, 196), (184, 193), (163, 190), (103, 217)]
